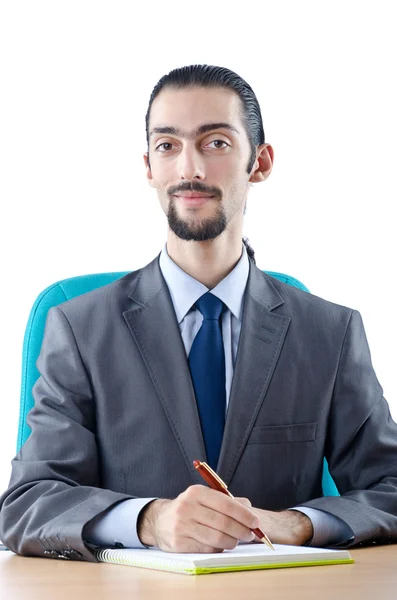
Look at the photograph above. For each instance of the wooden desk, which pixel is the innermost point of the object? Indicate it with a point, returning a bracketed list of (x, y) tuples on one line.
[(372, 577)]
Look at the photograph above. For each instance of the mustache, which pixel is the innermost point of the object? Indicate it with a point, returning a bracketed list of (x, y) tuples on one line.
[(194, 186)]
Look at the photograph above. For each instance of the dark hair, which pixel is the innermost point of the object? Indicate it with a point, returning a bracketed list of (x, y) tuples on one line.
[(249, 248), (212, 77)]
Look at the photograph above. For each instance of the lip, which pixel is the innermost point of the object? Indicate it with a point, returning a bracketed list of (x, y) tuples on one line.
[(196, 200)]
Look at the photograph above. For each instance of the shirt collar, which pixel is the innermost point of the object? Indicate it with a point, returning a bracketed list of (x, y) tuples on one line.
[(185, 290)]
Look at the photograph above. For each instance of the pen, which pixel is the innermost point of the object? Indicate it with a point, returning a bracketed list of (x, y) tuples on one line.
[(216, 483)]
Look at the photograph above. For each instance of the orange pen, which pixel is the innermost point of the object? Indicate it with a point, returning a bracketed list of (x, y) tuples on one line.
[(216, 483)]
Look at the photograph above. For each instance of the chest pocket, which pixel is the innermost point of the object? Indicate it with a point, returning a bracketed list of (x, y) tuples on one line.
[(283, 434)]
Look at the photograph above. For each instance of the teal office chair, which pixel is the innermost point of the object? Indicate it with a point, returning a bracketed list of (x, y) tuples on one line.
[(65, 290)]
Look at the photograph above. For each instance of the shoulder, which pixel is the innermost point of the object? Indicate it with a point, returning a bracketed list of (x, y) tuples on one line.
[(308, 306), (105, 296), (121, 293)]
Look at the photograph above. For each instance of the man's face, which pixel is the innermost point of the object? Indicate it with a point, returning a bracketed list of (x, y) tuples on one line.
[(199, 152)]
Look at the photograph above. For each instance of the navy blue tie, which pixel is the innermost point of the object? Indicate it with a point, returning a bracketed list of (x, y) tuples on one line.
[(207, 368)]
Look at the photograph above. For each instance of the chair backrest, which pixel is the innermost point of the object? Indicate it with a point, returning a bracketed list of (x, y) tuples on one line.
[(66, 290)]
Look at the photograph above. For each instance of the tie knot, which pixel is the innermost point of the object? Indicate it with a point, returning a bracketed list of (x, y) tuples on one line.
[(210, 306)]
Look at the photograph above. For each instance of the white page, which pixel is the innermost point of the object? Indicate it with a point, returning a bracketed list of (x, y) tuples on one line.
[(242, 551)]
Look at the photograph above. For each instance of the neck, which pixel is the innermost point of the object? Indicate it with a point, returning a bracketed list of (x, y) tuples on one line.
[(208, 262)]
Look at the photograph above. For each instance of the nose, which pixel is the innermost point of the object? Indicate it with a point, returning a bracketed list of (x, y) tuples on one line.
[(190, 164)]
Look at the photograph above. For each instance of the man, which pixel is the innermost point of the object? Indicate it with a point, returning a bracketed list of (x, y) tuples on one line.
[(200, 355)]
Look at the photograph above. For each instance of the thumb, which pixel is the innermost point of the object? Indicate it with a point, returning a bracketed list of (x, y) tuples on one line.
[(244, 502)]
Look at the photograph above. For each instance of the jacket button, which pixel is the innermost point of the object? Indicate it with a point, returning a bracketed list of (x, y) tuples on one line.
[(71, 553)]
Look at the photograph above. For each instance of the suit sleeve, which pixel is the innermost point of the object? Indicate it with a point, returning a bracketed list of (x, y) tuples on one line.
[(55, 482), (361, 446)]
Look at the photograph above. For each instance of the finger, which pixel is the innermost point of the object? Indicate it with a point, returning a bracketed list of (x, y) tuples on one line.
[(244, 501), (189, 544), (222, 523), (186, 544), (223, 504), (207, 536)]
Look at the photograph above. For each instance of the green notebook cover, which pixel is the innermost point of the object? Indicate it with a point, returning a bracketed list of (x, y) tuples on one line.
[(245, 557)]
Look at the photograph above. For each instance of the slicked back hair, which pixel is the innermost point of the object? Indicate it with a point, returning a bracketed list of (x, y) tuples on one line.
[(217, 77)]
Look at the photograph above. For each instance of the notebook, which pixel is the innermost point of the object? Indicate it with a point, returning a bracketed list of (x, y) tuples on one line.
[(244, 557)]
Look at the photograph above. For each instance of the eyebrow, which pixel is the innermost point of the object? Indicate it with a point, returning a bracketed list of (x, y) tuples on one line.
[(199, 131)]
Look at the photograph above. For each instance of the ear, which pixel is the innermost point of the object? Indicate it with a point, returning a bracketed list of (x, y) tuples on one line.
[(149, 175), (263, 164)]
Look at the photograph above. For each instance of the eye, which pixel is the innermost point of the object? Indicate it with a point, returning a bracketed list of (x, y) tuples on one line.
[(164, 147), (219, 144)]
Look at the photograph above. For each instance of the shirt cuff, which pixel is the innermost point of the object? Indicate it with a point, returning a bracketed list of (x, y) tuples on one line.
[(328, 530), (117, 526)]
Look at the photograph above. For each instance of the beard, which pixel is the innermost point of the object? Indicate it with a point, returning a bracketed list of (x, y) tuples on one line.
[(199, 231), (206, 229)]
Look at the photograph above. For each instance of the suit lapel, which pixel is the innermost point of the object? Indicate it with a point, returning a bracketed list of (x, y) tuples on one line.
[(154, 327), (261, 339)]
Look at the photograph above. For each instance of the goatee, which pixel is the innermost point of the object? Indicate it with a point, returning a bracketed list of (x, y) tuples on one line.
[(206, 229)]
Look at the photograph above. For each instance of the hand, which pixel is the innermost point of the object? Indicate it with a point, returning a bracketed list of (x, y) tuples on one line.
[(285, 527), (198, 520)]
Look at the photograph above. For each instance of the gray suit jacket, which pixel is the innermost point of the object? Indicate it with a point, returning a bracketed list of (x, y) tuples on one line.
[(115, 415)]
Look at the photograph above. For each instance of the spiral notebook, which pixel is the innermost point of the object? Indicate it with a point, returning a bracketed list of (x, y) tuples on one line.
[(244, 557)]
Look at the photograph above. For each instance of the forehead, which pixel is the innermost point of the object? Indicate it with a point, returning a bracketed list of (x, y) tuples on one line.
[(189, 108)]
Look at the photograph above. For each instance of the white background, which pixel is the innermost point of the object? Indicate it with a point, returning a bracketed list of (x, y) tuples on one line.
[(75, 81)]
